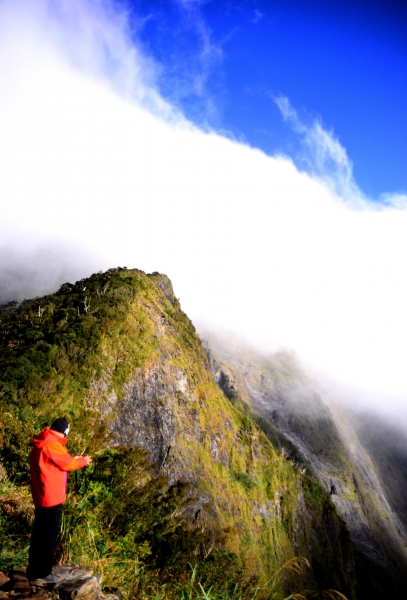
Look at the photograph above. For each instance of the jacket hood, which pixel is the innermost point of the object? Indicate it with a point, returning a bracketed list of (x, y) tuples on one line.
[(45, 437)]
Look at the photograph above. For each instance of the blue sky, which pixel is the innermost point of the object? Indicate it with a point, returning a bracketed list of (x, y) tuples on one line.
[(252, 151), (344, 63)]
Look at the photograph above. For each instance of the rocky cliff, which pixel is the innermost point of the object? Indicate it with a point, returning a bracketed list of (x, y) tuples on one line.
[(365, 482), (118, 356)]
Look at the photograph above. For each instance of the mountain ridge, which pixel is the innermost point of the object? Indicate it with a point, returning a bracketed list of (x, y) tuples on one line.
[(180, 474), (276, 389)]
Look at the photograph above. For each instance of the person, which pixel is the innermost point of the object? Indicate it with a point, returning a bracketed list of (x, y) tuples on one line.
[(49, 465)]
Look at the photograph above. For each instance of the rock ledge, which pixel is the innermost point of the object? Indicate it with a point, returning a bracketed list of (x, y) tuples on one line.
[(77, 583)]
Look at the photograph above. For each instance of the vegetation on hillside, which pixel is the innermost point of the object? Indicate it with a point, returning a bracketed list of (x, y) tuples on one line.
[(123, 516)]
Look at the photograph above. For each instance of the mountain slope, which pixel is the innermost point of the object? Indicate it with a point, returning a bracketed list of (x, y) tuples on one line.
[(386, 444), (276, 389), (117, 355)]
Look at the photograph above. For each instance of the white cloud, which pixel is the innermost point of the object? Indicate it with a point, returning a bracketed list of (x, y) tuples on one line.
[(394, 199), (325, 157), (91, 153)]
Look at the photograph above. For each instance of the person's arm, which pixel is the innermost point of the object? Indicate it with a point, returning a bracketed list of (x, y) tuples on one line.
[(55, 452)]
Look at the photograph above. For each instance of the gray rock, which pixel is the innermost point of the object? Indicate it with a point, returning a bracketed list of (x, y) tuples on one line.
[(75, 573), (64, 568), (71, 570), (80, 588)]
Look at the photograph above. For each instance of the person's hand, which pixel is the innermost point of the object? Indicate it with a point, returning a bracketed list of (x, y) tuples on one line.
[(87, 458)]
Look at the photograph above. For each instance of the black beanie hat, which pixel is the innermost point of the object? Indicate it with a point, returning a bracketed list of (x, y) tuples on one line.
[(61, 425)]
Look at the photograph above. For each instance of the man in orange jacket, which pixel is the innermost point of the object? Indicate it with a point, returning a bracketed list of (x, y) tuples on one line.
[(50, 463)]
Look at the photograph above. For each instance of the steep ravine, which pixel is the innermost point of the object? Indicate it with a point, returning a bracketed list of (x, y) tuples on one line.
[(116, 354), (276, 389)]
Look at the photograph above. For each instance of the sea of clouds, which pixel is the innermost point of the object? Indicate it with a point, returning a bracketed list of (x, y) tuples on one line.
[(98, 170)]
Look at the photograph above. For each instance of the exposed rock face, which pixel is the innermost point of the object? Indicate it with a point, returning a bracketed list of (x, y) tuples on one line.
[(277, 389), (147, 412), (385, 441)]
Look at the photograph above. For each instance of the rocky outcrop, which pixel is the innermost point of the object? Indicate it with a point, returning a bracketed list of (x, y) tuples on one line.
[(147, 414), (76, 583)]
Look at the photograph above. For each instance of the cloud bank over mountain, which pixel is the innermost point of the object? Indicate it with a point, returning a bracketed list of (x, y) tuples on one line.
[(97, 169)]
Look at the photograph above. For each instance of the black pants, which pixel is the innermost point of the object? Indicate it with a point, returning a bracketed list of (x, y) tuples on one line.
[(43, 541)]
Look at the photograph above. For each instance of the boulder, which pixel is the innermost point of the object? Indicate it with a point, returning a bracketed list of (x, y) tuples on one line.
[(78, 583), (79, 588)]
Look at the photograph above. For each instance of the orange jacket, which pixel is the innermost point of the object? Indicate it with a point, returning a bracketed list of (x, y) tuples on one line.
[(50, 461)]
